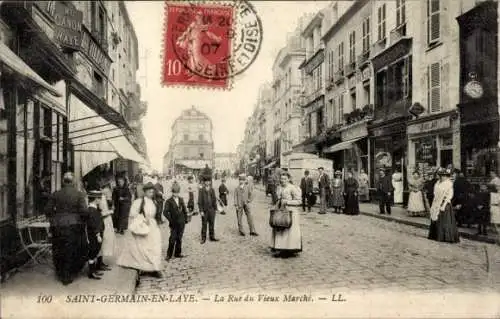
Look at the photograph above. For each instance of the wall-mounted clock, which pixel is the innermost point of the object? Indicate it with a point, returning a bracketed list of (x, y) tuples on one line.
[(474, 89)]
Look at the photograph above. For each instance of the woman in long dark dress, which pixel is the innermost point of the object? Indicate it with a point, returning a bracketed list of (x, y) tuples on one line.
[(351, 195), (122, 199), (443, 223)]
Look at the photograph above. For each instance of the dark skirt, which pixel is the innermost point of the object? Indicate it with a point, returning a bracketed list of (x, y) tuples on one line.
[(69, 250), (122, 213), (445, 228), (351, 204)]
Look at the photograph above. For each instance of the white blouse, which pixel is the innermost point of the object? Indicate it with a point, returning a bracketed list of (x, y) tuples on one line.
[(443, 193)]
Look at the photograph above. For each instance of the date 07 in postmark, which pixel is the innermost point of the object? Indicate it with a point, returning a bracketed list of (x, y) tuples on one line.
[(207, 44)]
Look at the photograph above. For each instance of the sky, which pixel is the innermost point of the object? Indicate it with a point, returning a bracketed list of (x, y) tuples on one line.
[(228, 110)]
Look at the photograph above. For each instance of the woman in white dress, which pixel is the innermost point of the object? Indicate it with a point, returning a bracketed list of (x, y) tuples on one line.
[(288, 242), (143, 252), (416, 204), (397, 184)]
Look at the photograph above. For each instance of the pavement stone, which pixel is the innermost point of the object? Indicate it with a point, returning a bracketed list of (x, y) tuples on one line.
[(339, 251)]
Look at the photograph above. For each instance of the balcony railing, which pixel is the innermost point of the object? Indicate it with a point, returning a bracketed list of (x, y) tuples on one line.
[(397, 33), (349, 68), (392, 110), (363, 58), (338, 77), (357, 115)]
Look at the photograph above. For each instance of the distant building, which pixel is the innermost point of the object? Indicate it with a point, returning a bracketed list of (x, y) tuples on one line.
[(225, 162), (191, 146)]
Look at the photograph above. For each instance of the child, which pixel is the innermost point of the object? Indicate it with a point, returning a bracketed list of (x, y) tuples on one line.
[(95, 228), (192, 188), (223, 192)]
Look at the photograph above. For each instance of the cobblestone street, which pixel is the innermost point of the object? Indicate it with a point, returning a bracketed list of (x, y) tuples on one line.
[(340, 252)]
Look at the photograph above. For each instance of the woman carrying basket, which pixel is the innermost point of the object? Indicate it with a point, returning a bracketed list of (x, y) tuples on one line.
[(285, 220)]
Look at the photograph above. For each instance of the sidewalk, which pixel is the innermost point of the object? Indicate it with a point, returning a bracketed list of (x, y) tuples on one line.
[(35, 280), (399, 215)]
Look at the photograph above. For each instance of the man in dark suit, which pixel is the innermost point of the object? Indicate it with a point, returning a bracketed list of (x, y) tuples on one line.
[(384, 191), (306, 186), (175, 212), (67, 211), (324, 189), (207, 203)]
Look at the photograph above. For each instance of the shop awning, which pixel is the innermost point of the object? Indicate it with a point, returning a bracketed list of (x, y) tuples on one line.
[(97, 141), (341, 146), (270, 164), (14, 62)]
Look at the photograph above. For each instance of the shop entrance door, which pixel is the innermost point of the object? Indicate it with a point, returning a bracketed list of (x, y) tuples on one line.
[(446, 158)]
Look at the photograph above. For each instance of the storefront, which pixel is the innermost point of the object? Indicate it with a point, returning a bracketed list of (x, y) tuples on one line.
[(387, 149), (478, 106), (432, 142), (353, 150)]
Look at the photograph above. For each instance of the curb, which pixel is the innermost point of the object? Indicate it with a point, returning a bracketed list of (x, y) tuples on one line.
[(479, 238), (467, 235)]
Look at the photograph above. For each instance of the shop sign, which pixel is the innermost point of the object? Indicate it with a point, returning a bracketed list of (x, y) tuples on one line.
[(314, 62), (429, 126), (389, 130), (67, 20), (355, 131), (194, 164), (94, 52)]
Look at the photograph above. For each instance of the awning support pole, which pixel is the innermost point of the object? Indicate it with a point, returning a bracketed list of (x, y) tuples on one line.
[(88, 134), (99, 140)]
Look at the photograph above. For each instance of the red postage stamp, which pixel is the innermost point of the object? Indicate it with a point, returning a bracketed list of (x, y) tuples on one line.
[(204, 45)]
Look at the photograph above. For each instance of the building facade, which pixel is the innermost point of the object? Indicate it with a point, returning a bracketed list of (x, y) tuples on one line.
[(191, 145), (287, 86), (225, 163), (55, 111)]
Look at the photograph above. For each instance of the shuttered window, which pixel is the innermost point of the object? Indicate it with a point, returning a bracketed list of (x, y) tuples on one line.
[(341, 108), (407, 78), (381, 22), (352, 47), (400, 12), (366, 35), (433, 21), (341, 56), (434, 74)]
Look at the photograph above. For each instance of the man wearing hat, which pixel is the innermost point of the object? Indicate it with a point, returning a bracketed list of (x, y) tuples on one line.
[(67, 210), (176, 213), (242, 199), (384, 191), (324, 189), (207, 203), (306, 186), (95, 229)]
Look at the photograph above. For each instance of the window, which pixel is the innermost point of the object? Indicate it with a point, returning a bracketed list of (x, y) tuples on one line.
[(366, 35), (331, 69), (433, 21), (352, 47), (200, 137), (366, 93), (341, 56), (353, 100), (319, 121), (333, 113), (98, 21), (381, 84), (381, 22), (434, 76), (309, 124), (186, 137), (400, 13), (406, 78), (341, 109)]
